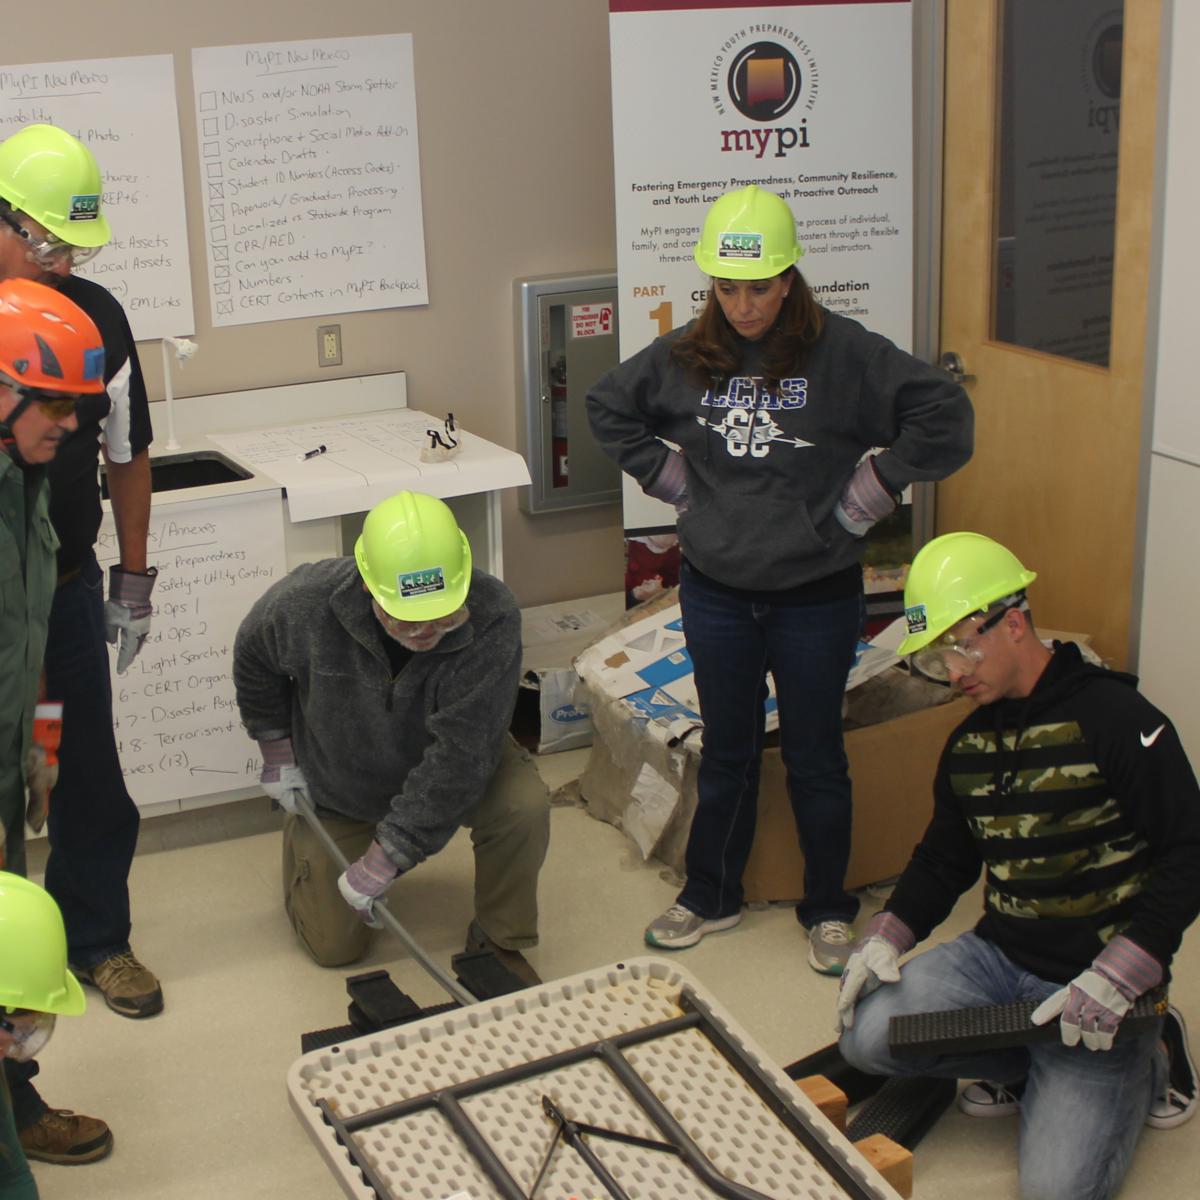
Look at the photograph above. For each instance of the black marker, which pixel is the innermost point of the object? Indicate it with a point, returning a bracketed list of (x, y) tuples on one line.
[(311, 453)]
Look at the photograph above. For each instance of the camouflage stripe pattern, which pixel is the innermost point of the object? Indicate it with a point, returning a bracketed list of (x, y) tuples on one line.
[(1048, 773)]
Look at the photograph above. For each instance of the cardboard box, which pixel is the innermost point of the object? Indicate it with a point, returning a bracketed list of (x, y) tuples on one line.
[(641, 773)]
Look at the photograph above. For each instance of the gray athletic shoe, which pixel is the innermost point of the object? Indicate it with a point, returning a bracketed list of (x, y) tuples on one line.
[(830, 944), (679, 928)]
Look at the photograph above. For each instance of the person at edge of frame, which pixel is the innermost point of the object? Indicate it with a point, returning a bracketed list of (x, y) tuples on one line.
[(1073, 794), (51, 364)]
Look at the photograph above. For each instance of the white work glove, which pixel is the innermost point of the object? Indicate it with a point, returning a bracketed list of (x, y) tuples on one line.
[(1092, 1004), (365, 880), (127, 612), (865, 500), (281, 778), (876, 961)]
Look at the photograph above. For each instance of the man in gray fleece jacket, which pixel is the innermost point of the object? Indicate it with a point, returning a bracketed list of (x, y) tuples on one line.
[(382, 687)]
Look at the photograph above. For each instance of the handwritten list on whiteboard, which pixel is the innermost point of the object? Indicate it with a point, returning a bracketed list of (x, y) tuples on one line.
[(311, 177), (175, 710), (123, 110)]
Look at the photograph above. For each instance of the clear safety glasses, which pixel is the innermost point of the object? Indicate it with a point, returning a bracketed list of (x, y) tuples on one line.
[(30, 1031), (954, 653), (47, 251)]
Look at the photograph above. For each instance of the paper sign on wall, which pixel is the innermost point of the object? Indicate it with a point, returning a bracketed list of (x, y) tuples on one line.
[(311, 177), (592, 320), (123, 110)]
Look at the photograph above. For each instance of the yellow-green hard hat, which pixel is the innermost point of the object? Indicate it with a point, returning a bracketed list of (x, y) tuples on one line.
[(33, 951), (413, 557), (952, 577), (52, 177), (748, 234)]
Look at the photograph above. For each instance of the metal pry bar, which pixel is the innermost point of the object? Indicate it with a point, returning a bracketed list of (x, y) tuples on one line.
[(381, 910)]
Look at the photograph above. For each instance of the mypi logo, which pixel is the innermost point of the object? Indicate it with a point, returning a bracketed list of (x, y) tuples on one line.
[(763, 81)]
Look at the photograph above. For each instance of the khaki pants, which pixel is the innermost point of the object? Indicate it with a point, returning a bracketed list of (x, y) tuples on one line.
[(510, 830)]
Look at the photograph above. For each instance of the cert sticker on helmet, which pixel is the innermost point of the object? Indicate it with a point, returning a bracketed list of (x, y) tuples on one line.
[(916, 618), (420, 583), (84, 208), (740, 245)]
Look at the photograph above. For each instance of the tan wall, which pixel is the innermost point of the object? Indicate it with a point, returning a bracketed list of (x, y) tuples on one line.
[(514, 117)]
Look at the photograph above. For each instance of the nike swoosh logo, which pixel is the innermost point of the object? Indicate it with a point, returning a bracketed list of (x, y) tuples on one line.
[(1148, 739)]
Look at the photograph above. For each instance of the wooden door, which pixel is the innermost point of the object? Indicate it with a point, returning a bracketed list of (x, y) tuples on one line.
[(1058, 441)]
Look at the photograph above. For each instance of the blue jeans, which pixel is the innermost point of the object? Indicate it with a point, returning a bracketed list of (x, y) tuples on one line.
[(809, 648), (1082, 1110), (93, 823)]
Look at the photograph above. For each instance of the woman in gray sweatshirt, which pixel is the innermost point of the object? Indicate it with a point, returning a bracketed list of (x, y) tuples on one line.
[(776, 406)]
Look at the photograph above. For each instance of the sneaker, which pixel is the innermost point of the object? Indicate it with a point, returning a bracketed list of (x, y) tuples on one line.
[(830, 944), (679, 927), (514, 960), (1178, 1103), (129, 988), (987, 1099), (61, 1136)]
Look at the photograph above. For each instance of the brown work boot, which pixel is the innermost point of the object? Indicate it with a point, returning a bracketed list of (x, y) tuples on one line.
[(514, 960), (61, 1136), (129, 988)]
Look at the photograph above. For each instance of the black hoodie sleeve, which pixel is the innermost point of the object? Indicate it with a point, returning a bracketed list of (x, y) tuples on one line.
[(944, 864)]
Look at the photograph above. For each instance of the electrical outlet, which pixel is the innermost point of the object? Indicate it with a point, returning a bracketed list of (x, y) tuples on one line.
[(329, 345)]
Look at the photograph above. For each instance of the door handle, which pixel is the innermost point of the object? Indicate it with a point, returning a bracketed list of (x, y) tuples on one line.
[(953, 366)]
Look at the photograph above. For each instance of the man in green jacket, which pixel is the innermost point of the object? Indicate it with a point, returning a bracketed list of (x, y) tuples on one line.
[(51, 362)]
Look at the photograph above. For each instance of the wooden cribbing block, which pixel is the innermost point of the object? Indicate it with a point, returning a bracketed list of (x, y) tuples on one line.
[(891, 1160), (827, 1096)]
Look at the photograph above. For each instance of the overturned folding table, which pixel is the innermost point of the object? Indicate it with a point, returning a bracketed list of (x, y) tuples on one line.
[(627, 1081)]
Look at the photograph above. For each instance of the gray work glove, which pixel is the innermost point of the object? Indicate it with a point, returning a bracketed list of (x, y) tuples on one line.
[(876, 961), (865, 500), (40, 779), (670, 484), (127, 612), (365, 880), (1091, 1006), (281, 778)]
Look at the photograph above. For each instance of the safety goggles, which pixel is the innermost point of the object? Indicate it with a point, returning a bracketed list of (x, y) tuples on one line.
[(55, 406), (30, 1031), (47, 251), (958, 654)]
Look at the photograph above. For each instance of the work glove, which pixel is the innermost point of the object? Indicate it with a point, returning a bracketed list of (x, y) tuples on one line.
[(670, 484), (876, 961), (127, 612), (281, 778), (365, 880), (41, 763), (1091, 1005), (865, 500)]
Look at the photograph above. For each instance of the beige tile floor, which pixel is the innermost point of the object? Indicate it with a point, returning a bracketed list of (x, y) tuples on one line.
[(197, 1096)]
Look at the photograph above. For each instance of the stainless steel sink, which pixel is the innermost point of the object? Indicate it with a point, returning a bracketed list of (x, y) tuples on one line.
[(173, 472)]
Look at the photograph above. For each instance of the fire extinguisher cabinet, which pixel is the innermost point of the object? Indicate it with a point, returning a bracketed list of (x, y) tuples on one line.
[(566, 340)]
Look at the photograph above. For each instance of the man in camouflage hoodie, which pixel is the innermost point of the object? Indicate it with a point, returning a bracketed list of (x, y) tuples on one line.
[(1074, 795)]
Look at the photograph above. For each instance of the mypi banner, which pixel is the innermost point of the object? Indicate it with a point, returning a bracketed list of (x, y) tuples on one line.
[(811, 100)]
